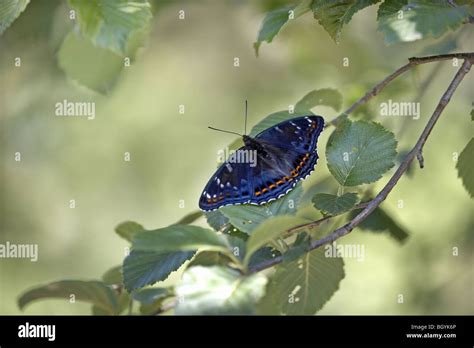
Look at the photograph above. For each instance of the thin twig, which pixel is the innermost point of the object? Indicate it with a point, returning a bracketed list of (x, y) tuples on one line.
[(316, 223), (412, 62), (421, 161), (417, 149)]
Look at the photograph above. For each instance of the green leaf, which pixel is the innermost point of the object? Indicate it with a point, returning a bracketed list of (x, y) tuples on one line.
[(271, 25), (190, 218), (238, 246), (268, 231), (151, 299), (324, 96), (95, 292), (179, 238), (247, 217), (379, 221), (220, 222), (128, 229), (303, 286), (111, 23), (98, 311), (124, 302), (91, 66), (261, 255), (9, 11), (443, 46), (299, 247), (218, 291), (276, 19), (333, 15), (150, 295), (209, 258), (216, 219), (334, 205), (239, 249), (113, 276), (405, 21), (231, 231), (141, 268), (276, 118), (360, 152), (213, 258), (466, 168), (153, 308)]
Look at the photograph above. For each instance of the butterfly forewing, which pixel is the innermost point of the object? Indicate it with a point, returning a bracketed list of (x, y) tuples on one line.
[(298, 134), (229, 185)]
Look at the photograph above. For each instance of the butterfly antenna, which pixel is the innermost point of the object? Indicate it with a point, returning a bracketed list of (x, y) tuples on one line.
[(225, 131), (246, 108)]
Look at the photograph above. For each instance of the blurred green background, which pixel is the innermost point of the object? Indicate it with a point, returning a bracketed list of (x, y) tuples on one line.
[(190, 62)]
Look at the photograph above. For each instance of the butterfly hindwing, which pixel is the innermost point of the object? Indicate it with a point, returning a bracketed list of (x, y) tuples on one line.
[(229, 185), (275, 176)]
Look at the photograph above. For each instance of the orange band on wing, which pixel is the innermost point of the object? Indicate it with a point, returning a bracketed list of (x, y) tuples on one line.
[(293, 174)]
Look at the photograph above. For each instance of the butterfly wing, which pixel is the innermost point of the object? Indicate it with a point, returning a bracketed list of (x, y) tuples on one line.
[(229, 185), (277, 174), (289, 155), (299, 134)]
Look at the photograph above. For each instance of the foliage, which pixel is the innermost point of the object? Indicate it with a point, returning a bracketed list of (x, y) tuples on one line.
[(9, 11), (398, 20), (276, 19), (319, 97), (381, 221), (218, 267), (97, 293), (247, 218), (360, 152), (218, 290), (216, 264), (324, 96), (333, 15), (333, 204), (404, 21), (269, 230), (107, 36), (94, 67), (110, 23), (142, 268), (128, 229), (465, 167), (303, 286), (108, 33)]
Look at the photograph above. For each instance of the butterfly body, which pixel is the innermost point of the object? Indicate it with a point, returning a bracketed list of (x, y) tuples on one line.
[(283, 155)]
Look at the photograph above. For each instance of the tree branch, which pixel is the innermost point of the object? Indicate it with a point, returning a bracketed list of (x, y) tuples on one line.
[(316, 223), (412, 62), (415, 151)]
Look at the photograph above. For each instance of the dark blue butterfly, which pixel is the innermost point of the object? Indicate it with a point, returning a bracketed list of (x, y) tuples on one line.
[(285, 154)]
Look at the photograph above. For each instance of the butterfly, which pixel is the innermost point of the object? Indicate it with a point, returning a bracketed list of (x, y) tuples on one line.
[(267, 167)]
